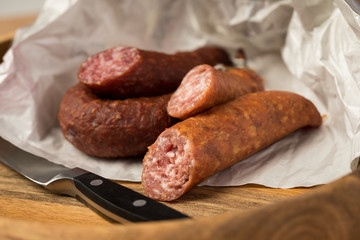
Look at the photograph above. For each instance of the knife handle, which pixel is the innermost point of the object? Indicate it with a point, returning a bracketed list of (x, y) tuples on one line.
[(120, 203)]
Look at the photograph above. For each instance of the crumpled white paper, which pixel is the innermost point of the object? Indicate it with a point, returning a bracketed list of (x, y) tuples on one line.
[(308, 47)]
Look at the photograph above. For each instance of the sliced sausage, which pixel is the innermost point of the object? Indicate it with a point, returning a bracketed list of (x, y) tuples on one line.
[(123, 72), (111, 128), (205, 87), (189, 152)]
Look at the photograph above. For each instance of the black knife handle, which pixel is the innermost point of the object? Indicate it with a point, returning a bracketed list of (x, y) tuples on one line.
[(120, 203)]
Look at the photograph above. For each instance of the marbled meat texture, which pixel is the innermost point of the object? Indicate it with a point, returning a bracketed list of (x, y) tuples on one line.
[(189, 152), (123, 72), (205, 87)]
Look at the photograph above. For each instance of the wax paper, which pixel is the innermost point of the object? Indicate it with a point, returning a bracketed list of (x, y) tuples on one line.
[(307, 47)]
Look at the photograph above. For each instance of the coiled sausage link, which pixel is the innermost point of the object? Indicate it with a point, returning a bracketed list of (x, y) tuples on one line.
[(111, 128)]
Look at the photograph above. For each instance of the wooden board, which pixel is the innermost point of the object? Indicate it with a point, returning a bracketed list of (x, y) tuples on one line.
[(25, 200), (8, 27), (22, 199), (28, 211), (327, 212)]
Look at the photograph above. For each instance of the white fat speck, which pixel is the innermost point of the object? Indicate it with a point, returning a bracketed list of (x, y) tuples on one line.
[(165, 186), (161, 141), (170, 154), (178, 160), (187, 146), (94, 124)]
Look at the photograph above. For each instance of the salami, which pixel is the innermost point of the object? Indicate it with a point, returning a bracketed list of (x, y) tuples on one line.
[(111, 128), (123, 72), (189, 152), (205, 87)]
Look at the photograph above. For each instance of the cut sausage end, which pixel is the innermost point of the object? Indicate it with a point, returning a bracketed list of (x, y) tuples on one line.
[(191, 90), (108, 64), (167, 166)]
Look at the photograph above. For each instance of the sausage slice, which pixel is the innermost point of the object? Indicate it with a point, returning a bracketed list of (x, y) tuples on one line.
[(123, 72), (205, 87)]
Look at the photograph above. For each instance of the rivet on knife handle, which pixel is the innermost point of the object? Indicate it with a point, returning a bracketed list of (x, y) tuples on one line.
[(120, 203), (109, 198)]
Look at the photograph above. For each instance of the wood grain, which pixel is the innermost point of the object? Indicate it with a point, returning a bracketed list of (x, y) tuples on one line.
[(8, 27), (328, 212), (23, 199), (28, 211)]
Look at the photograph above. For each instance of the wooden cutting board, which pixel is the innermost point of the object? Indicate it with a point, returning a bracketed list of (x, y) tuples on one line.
[(8, 27), (328, 212), (24, 200), (28, 211)]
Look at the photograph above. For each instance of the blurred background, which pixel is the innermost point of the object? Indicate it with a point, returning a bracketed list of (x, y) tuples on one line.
[(17, 13), (15, 8)]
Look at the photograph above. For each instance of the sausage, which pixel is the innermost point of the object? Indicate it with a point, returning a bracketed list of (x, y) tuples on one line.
[(111, 128), (190, 151), (123, 72), (205, 87)]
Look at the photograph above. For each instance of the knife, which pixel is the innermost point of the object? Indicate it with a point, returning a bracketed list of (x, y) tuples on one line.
[(109, 199)]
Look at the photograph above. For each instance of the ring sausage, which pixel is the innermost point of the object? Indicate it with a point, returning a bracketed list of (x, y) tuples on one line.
[(111, 128), (189, 152), (205, 87), (123, 72)]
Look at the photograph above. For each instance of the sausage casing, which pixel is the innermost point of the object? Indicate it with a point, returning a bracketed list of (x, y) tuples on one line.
[(111, 128), (189, 152), (205, 87), (124, 72)]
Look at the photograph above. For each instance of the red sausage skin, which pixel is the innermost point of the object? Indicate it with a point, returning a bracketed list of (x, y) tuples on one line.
[(189, 152), (205, 87), (123, 72), (111, 128)]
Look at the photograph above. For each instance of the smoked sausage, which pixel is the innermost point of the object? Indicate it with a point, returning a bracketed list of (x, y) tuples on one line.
[(111, 128), (205, 87), (192, 150), (123, 72)]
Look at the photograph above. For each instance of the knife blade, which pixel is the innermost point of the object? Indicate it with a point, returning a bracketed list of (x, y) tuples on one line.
[(106, 197)]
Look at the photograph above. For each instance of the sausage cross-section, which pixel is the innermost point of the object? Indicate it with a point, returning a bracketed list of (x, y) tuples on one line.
[(189, 152), (205, 87), (111, 128), (123, 72)]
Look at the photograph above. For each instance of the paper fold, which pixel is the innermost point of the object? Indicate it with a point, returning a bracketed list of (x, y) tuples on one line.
[(308, 47)]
